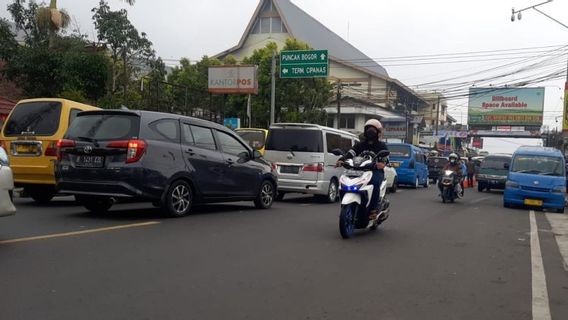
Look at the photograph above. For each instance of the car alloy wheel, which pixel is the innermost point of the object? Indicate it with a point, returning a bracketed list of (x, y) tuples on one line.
[(179, 199), (265, 196)]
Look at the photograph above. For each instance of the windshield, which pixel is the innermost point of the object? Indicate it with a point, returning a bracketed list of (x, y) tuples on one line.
[(437, 162), (104, 127), (495, 163), (34, 118), (399, 151), (295, 140), (255, 139), (542, 165)]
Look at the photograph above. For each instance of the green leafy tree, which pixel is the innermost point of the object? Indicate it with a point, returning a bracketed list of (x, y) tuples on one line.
[(8, 44), (25, 18), (129, 49)]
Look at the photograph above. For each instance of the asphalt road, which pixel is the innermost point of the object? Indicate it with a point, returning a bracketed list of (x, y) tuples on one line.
[(467, 260)]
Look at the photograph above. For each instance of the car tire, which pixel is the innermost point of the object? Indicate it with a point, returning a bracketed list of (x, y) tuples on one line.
[(561, 210), (434, 180), (416, 184), (179, 199), (332, 192), (479, 187), (507, 205), (280, 196), (95, 204), (41, 195), (265, 196), (394, 186), (427, 183)]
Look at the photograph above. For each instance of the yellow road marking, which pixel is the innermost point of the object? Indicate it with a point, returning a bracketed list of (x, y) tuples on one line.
[(76, 233)]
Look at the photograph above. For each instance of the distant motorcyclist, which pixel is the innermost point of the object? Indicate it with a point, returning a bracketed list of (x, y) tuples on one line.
[(371, 142), (455, 166)]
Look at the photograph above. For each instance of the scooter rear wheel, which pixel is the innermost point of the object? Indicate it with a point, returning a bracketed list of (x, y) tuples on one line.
[(346, 220)]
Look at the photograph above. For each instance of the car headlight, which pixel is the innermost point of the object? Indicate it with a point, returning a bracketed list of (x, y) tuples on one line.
[(511, 184), (559, 189), (4, 161)]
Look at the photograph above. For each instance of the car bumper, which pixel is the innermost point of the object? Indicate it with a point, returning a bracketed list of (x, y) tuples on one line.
[(101, 188), (492, 183), (303, 186), (406, 176), (549, 200), (6, 185)]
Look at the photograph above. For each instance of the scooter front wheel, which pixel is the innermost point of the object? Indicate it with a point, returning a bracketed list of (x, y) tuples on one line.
[(346, 220)]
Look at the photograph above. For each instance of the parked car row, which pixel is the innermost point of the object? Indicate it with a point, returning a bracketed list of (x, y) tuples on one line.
[(58, 146)]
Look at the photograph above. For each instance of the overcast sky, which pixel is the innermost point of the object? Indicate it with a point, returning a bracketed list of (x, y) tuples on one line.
[(379, 28)]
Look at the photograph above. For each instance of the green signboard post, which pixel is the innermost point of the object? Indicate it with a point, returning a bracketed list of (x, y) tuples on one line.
[(304, 64)]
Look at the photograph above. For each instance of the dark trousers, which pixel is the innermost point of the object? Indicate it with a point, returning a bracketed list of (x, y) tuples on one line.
[(470, 180), (376, 181)]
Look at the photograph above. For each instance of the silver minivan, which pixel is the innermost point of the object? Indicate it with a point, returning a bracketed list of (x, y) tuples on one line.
[(301, 157)]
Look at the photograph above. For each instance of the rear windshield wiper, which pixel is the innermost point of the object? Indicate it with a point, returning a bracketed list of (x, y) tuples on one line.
[(94, 141), (292, 151)]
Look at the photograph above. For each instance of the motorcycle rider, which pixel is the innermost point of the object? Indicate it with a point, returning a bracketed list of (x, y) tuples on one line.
[(455, 166), (371, 142)]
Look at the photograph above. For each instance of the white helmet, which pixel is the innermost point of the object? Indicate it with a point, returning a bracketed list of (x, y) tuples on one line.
[(374, 123), (453, 155)]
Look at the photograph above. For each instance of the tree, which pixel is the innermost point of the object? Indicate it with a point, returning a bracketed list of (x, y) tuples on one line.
[(25, 19), (52, 20), (129, 49), (8, 44)]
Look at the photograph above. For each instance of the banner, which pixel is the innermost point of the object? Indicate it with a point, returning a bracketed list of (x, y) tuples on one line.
[(477, 143), (394, 129), (505, 107), (233, 79)]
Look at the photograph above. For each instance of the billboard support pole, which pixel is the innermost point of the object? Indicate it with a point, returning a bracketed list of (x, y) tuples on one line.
[(249, 111), (437, 115), (273, 89)]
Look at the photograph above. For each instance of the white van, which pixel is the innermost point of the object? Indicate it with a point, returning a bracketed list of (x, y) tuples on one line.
[(301, 156)]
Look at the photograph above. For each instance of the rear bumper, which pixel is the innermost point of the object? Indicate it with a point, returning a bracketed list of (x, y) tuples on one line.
[(103, 188), (550, 200), (492, 183), (38, 174), (406, 176), (303, 186)]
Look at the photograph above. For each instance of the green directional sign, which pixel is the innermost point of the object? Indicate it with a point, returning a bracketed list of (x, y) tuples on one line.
[(304, 64)]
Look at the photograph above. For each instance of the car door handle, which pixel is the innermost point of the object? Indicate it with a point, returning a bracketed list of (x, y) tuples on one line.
[(189, 151)]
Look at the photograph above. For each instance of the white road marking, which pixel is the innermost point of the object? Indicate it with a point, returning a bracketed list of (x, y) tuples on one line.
[(479, 200), (540, 305), (559, 223)]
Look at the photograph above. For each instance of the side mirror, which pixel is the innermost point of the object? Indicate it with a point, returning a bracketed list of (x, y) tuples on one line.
[(337, 152), (506, 166), (384, 153), (256, 154)]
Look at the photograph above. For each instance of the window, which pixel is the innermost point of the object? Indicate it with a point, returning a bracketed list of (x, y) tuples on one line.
[(264, 25), (255, 139), (36, 118), (333, 142), (276, 25), (299, 140), (105, 126), (399, 151), (203, 138), (419, 157), (346, 144), (348, 121), (230, 145), (256, 27), (73, 114), (164, 130), (187, 135), (543, 165), (331, 121)]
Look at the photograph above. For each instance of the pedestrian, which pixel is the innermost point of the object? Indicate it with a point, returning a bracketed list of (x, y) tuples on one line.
[(470, 172)]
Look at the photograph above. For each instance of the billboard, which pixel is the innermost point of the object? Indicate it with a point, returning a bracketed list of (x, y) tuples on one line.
[(505, 107), (394, 129), (233, 79)]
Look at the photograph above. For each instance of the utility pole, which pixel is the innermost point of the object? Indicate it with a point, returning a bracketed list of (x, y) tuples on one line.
[(273, 90), (338, 97), (437, 115)]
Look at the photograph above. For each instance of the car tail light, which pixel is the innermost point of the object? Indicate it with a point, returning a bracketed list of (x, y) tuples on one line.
[(62, 143), (134, 149), (313, 167), (51, 150)]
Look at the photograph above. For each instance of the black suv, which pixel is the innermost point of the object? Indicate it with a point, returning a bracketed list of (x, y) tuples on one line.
[(170, 160), (435, 165)]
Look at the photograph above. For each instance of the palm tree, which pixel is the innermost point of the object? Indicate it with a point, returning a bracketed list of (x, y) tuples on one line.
[(52, 20)]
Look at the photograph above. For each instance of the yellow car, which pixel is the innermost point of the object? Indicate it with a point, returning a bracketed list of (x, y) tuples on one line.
[(255, 138), (30, 136)]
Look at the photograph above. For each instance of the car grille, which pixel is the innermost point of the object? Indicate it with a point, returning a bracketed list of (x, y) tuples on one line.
[(535, 189)]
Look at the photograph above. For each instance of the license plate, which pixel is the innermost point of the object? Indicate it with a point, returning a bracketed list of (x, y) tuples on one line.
[(396, 164), (26, 148), (289, 169), (353, 173), (533, 202), (90, 161)]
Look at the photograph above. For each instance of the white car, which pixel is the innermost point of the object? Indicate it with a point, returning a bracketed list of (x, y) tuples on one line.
[(6, 186), (392, 179)]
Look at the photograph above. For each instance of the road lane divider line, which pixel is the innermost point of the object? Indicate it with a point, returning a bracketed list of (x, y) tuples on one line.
[(540, 304), (479, 200), (559, 224), (77, 233)]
